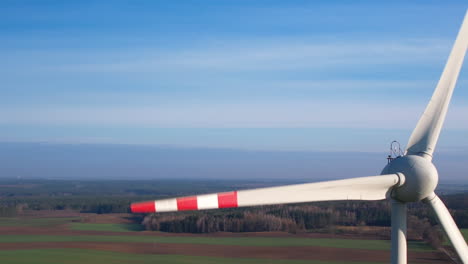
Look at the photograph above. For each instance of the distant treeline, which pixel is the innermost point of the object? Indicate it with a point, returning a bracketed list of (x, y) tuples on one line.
[(84, 204), (105, 196), (301, 217), (155, 188), (269, 218), (289, 218), (306, 217), (115, 197)]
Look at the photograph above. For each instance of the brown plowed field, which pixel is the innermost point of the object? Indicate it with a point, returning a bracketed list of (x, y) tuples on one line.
[(264, 252), (303, 253)]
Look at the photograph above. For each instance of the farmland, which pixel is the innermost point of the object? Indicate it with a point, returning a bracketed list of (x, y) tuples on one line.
[(465, 233), (67, 239), (55, 221), (78, 256)]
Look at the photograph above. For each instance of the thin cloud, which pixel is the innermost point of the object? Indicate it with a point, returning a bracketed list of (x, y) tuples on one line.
[(252, 115), (257, 55)]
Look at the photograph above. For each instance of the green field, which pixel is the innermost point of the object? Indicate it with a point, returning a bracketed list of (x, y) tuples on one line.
[(120, 233), (79, 256), (231, 241), (35, 222), (465, 233), (106, 227)]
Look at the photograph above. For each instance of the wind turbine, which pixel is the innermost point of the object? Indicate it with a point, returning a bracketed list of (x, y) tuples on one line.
[(408, 178)]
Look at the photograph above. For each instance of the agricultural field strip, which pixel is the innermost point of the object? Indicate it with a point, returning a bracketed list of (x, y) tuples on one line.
[(79, 256), (464, 232), (7, 221), (251, 241), (106, 227)]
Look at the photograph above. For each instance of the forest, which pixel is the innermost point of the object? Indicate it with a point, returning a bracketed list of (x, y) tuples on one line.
[(104, 197)]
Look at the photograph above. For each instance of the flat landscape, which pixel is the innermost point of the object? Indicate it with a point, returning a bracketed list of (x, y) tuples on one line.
[(233, 132), (71, 237)]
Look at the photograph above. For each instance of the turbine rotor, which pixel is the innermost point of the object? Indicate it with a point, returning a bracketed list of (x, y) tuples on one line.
[(421, 177)]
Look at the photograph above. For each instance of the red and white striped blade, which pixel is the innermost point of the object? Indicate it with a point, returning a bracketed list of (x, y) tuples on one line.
[(200, 202), (365, 188)]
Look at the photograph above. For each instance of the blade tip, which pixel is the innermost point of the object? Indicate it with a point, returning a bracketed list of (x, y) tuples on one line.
[(143, 207)]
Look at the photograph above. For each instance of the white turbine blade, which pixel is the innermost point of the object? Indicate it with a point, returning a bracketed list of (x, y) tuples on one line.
[(424, 137), (365, 188), (450, 227)]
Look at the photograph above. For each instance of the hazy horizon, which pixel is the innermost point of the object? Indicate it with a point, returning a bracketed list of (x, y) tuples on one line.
[(229, 89), (112, 161), (326, 76)]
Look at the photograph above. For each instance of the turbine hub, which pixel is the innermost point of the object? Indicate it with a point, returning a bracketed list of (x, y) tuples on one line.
[(421, 177)]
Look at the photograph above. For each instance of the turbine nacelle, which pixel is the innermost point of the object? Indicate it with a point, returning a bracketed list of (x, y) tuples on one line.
[(420, 177)]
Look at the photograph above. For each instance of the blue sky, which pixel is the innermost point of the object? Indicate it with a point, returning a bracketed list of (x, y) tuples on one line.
[(252, 75)]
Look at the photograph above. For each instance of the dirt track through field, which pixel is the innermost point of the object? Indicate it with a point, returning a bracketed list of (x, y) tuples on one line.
[(299, 253)]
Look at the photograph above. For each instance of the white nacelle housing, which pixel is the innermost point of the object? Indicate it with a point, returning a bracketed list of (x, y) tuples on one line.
[(421, 177)]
